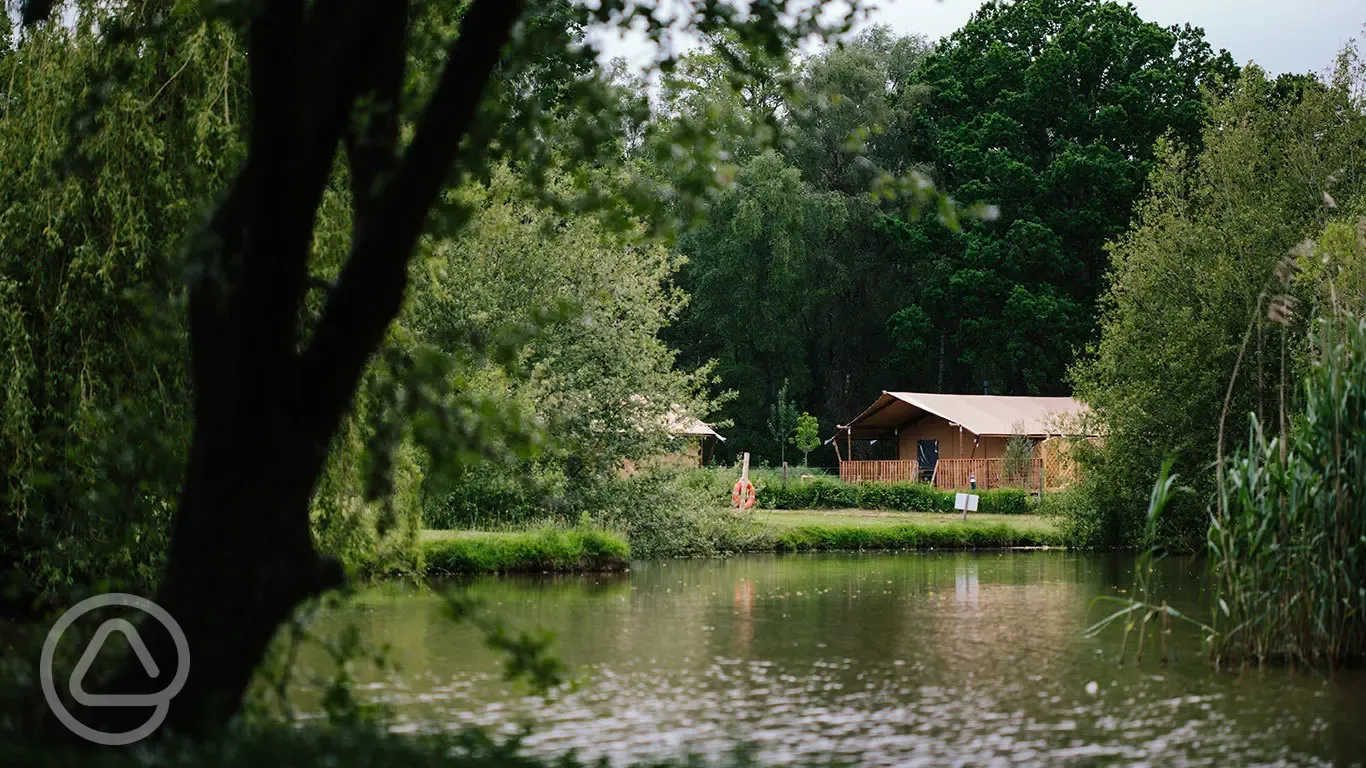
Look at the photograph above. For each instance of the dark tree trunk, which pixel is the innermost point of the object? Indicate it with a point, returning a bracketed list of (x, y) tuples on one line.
[(242, 555)]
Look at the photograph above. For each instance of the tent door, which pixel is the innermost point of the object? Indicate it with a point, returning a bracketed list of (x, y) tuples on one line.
[(927, 455)]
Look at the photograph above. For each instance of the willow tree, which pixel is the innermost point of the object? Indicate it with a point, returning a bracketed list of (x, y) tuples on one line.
[(91, 349), (414, 97)]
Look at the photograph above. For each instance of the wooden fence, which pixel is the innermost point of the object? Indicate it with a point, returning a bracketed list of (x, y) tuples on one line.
[(895, 471), (1053, 461), (957, 474)]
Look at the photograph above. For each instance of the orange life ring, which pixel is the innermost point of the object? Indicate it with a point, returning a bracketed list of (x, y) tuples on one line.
[(742, 495)]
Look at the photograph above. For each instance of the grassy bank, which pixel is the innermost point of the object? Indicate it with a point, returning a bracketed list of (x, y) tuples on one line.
[(447, 553), (808, 530), (592, 549)]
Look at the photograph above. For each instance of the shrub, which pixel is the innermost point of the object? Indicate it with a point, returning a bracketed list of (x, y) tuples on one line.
[(1006, 501), (904, 497), (1074, 509), (678, 514), (545, 549), (490, 497)]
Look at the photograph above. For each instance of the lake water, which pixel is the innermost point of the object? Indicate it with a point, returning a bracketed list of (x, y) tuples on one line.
[(889, 659)]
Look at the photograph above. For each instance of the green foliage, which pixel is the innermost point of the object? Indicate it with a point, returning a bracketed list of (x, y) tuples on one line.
[(1049, 111), (93, 215), (1191, 286), (808, 436), (1291, 516), (1074, 512), (782, 421), (535, 551), (904, 497), (597, 379), (753, 272), (679, 514), (1019, 453), (1043, 114)]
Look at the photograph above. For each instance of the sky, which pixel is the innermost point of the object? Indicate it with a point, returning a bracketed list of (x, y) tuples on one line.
[(1279, 35)]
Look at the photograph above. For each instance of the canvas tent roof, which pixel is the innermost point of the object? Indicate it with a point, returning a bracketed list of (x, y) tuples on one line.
[(679, 423), (699, 428), (979, 414), (675, 422)]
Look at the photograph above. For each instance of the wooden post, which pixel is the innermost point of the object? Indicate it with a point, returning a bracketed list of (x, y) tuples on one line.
[(784, 474), (849, 442)]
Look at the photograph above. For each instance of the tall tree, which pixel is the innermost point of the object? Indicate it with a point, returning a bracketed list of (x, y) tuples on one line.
[(1192, 284), (789, 275), (760, 272), (1049, 110), (272, 385)]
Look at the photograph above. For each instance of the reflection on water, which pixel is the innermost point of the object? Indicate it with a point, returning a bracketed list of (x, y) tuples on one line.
[(883, 659)]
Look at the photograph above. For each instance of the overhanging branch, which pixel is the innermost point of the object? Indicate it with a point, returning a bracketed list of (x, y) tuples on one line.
[(369, 292)]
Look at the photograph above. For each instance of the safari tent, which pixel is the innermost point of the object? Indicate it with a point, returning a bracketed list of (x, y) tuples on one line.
[(952, 440)]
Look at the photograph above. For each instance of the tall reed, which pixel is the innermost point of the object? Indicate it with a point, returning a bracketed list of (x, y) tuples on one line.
[(1288, 537)]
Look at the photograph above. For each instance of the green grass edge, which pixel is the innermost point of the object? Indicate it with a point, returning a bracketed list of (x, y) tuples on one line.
[(557, 550), (825, 538), (579, 550)]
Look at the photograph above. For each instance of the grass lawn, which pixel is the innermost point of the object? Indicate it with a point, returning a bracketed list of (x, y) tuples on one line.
[(808, 530), (875, 518)]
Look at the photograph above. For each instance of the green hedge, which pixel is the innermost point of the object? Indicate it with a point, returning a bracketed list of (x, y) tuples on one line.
[(811, 538), (905, 497), (541, 550)]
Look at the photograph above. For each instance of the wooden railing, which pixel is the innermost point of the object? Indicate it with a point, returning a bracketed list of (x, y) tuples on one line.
[(1057, 467), (957, 474), (896, 471)]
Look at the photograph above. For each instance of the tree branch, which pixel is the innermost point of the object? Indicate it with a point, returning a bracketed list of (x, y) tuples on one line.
[(369, 292), (372, 138)]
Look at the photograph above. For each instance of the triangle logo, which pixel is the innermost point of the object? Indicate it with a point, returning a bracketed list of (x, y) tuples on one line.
[(92, 650)]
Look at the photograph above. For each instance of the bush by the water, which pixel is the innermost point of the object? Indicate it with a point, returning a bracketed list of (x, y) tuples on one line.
[(678, 514), (484, 498), (904, 497), (546, 549)]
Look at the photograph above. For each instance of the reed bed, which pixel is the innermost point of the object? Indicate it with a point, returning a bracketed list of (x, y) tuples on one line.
[(1288, 535)]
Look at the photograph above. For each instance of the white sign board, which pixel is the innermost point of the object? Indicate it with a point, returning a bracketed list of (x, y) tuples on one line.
[(966, 502), (972, 502)]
